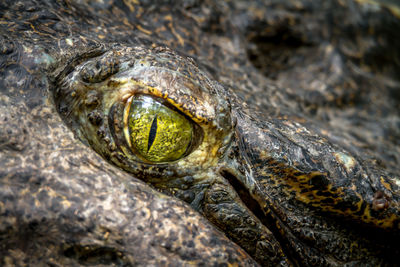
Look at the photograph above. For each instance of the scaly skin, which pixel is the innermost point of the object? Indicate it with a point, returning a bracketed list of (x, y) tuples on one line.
[(295, 157)]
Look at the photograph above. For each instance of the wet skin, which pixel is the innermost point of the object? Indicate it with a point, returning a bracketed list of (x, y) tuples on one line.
[(294, 145)]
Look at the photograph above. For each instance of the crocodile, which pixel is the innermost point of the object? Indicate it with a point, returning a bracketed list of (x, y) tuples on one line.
[(215, 133)]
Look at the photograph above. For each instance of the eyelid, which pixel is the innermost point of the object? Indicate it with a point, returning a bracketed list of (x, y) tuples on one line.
[(176, 89), (125, 120)]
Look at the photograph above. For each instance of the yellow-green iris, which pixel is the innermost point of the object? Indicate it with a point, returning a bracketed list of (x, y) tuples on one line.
[(156, 132)]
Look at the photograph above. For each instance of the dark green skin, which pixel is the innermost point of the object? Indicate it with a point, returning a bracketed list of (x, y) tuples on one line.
[(304, 99)]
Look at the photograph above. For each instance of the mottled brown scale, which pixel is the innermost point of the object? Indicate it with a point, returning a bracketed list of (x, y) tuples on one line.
[(98, 71), (380, 201), (295, 157)]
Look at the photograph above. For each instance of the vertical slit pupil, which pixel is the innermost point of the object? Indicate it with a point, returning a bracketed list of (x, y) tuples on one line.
[(152, 134)]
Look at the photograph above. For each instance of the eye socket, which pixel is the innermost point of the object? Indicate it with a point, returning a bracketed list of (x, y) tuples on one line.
[(155, 132), (152, 120)]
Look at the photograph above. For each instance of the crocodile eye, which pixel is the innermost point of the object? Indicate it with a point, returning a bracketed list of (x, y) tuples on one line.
[(149, 112), (155, 132)]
